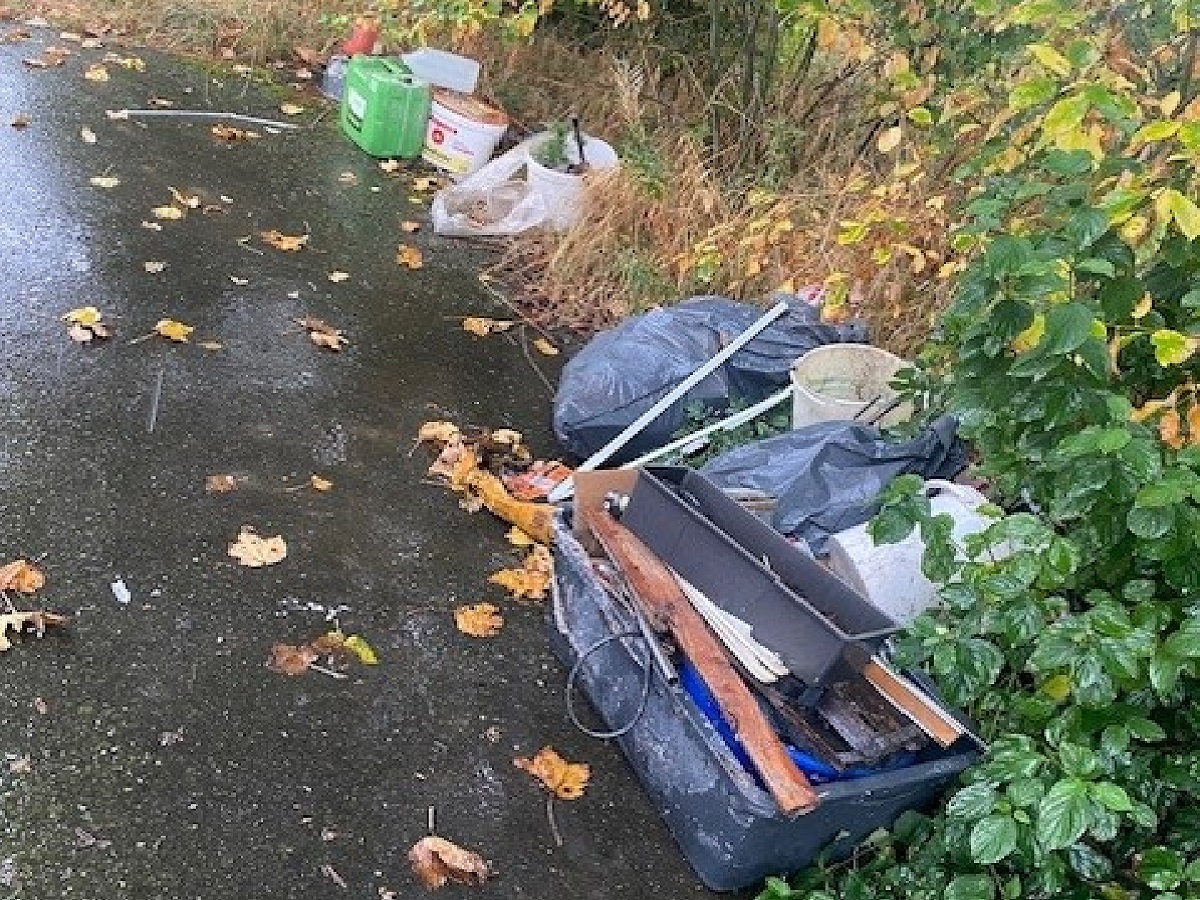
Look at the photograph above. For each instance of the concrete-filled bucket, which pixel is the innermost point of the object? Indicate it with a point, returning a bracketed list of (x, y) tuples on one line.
[(840, 382), (562, 191)]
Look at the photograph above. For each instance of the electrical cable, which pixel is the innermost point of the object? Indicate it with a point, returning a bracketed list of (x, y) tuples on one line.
[(577, 669)]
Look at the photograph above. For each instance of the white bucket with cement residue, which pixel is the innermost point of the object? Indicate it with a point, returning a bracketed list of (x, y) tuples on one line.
[(835, 382)]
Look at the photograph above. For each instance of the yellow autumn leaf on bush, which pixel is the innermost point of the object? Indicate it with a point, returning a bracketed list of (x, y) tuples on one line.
[(173, 330), (482, 620), (1031, 336), (565, 780), (1169, 429)]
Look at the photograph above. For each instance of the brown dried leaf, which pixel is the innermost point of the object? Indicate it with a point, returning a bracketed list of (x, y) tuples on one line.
[(532, 579), (436, 862), (38, 620), (439, 432), (1169, 429), (288, 243), (21, 576), (390, 166), (220, 484), (565, 780), (229, 134), (408, 227), (482, 327), (545, 348), (289, 660), (409, 257), (482, 620), (255, 551), (80, 334)]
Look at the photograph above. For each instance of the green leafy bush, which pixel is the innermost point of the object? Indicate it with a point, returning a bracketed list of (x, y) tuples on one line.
[(1069, 629)]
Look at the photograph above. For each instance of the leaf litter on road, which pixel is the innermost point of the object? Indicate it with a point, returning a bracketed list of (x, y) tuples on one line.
[(85, 323), (254, 551), (173, 330), (437, 862), (564, 780), (409, 257), (323, 334), (21, 576), (480, 326), (36, 621), (481, 620), (288, 243), (531, 580)]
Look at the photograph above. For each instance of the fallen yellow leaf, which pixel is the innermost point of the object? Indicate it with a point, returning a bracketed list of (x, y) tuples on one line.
[(545, 348), (322, 333), (173, 330), (532, 579), (228, 133), (21, 576), (519, 538), (210, 345), (390, 166), (439, 432), (409, 227), (96, 72), (357, 645), (288, 243), (565, 780), (436, 861), (409, 256), (320, 484), (482, 327), (154, 266), (104, 181), (254, 551), (38, 620), (482, 620), (427, 183), (291, 109), (337, 277), (348, 178), (167, 212), (83, 315), (87, 135)]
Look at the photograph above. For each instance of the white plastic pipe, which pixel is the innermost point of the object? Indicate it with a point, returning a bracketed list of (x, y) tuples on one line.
[(727, 424), (566, 487)]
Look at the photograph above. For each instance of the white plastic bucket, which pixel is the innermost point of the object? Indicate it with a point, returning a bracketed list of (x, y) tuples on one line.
[(563, 192), (889, 575), (462, 133), (834, 382)]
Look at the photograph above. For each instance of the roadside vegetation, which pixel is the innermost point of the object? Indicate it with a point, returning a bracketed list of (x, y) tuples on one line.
[(1002, 188)]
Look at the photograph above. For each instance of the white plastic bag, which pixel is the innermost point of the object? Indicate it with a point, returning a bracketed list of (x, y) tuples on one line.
[(494, 201)]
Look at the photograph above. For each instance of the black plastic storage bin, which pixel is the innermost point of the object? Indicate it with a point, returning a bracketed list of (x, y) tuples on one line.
[(727, 826)]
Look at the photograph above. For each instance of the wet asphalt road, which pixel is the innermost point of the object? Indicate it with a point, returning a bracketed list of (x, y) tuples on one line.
[(169, 762)]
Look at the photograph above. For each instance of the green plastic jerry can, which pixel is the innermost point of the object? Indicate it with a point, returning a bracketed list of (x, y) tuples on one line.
[(385, 108)]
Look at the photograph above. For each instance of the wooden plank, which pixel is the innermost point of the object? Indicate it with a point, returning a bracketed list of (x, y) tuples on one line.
[(656, 588), (913, 702)]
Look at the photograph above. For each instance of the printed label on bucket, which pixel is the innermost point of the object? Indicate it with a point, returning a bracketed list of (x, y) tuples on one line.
[(443, 149)]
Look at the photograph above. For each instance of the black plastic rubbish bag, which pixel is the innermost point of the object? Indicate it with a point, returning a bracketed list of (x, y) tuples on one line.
[(827, 477), (622, 372)]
